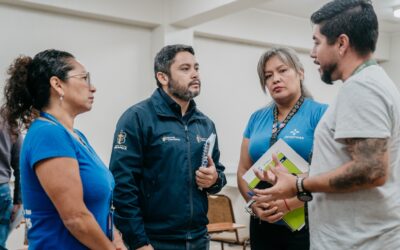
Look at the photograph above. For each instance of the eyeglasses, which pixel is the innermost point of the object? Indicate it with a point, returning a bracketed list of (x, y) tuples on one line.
[(84, 76)]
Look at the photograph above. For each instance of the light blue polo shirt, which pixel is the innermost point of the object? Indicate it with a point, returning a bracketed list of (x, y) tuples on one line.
[(298, 133)]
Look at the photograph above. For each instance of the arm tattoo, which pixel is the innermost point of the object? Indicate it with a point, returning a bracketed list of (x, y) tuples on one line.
[(368, 156)]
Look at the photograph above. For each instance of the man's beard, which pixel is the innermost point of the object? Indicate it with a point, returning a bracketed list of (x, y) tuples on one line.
[(182, 92), (326, 75)]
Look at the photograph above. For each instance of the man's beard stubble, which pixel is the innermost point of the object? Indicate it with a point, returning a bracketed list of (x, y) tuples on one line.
[(182, 93), (326, 75)]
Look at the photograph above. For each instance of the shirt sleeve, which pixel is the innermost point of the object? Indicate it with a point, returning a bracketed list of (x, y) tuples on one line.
[(126, 165), (361, 112), (50, 141), (249, 126)]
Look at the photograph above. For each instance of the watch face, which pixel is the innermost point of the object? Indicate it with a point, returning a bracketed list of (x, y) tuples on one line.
[(304, 196)]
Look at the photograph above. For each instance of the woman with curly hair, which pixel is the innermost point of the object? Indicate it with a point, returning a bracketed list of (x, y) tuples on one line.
[(66, 188)]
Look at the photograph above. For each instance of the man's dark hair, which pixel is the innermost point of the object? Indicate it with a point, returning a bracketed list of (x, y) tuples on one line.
[(165, 57), (354, 18)]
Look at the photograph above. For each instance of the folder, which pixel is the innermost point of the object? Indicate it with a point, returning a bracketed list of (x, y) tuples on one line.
[(294, 163)]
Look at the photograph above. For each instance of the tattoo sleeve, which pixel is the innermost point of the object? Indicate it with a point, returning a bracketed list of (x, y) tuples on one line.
[(368, 164)]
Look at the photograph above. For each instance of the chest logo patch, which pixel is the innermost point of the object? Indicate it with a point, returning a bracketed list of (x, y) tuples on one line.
[(294, 134), (170, 138)]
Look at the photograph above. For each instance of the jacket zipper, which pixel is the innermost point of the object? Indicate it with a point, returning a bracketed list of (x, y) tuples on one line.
[(189, 236)]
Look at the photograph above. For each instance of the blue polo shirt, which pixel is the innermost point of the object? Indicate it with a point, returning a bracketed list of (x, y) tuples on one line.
[(46, 140), (298, 133)]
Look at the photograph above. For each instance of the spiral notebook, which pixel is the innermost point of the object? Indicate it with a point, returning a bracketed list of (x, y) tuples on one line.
[(207, 149)]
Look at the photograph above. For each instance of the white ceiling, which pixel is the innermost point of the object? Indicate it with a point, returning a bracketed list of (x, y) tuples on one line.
[(304, 8)]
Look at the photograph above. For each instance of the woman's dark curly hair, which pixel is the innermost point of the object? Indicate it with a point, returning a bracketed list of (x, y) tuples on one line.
[(27, 90)]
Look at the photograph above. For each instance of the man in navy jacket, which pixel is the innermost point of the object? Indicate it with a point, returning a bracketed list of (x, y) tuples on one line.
[(161, 189)]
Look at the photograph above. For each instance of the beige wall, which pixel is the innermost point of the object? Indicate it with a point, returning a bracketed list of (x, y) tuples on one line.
[(117, 56), (392, 67)]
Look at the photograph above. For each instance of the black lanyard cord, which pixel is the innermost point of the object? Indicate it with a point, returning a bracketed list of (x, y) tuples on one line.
[(277, 128)]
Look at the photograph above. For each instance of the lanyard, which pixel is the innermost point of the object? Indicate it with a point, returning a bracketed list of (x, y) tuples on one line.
[(54, 120), (50, 117), (277, 127), (364, 65)]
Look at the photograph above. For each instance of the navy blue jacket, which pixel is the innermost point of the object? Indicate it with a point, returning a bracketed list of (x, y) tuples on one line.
[(155, 154)]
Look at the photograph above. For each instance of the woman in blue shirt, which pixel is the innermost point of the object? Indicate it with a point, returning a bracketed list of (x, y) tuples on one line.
[(293, 117), (66, 188)]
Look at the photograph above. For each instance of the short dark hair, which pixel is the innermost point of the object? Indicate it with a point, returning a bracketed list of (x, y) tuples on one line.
[(165, 57), (27, 90), (354, 18)]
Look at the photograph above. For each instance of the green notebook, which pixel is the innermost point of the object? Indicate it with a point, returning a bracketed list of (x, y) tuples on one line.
[(295, 164)]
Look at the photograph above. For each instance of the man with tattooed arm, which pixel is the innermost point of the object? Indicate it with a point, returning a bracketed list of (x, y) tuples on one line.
[(355, 170)]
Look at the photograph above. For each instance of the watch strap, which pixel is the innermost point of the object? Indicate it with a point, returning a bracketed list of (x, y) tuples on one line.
[(299, 184)]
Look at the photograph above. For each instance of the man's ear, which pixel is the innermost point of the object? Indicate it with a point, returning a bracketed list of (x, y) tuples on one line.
[(343, 42), (56, 85), (162, 78)]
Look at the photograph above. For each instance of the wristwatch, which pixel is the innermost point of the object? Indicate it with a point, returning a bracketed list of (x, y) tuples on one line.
[(302, 194)]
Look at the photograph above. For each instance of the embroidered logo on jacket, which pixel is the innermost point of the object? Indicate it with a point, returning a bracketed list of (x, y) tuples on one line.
[(121, 139), (170, 138)]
